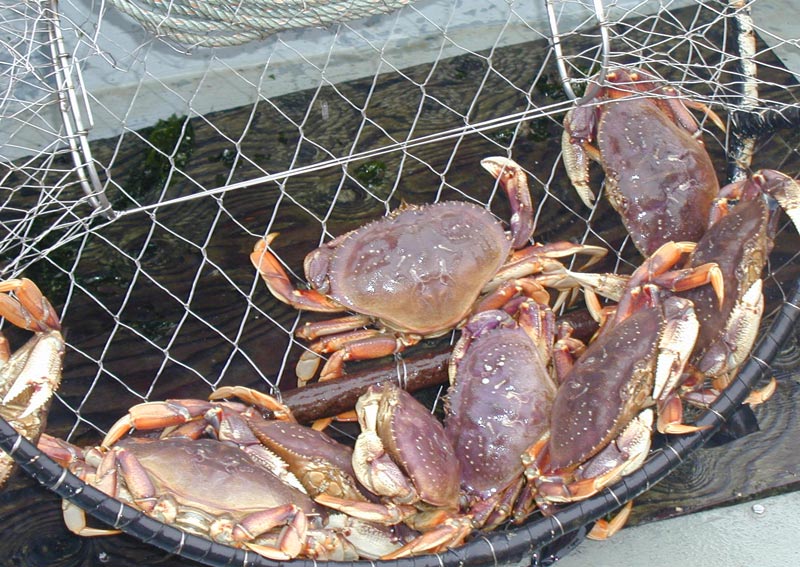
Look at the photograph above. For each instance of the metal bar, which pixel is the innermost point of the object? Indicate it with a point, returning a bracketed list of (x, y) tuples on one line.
[(76, 133), (555, 42)]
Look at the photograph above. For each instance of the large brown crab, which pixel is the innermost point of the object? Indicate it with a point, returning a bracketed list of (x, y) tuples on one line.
[(502, 385), (215, 490), (30, 375), (603, 414), (228, 487), (403, 456), (417, 273), (739, 239), (305, 458), (659, 176)]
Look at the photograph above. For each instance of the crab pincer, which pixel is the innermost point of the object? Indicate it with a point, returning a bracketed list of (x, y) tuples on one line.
[(30, 375)]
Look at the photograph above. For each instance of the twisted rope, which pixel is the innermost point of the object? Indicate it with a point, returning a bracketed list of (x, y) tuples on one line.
[(224, 23)]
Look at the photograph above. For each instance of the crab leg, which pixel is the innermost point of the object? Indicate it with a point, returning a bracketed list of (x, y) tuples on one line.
[(656, 269), (442, 530), (361, 344), (777, 185), (498, 298), (155, 415), (365, 348), (291, 539), (104, 479), (609, 285), (451, 533), (604, 529), (388, 514), (75, 520), (541, 258), (317, 329), (278, 282)]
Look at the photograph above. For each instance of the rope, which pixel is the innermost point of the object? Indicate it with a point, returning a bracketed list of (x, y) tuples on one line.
[(224, 23)]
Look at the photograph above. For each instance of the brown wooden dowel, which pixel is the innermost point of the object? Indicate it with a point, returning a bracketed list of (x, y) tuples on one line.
[(326, 399)]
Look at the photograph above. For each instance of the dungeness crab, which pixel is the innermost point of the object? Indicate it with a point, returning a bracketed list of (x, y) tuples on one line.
[(502, 384), (209, 474), (603, 414), (739, 239), (417, 273), (403, 456), (212, 489), (659, 177)]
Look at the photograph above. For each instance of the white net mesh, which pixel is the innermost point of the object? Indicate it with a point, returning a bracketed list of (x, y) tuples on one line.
[(138, 172)]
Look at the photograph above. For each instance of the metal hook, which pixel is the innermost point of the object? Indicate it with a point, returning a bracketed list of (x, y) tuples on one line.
[(555, 39)]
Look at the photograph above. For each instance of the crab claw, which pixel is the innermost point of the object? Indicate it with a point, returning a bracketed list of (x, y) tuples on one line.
[(30, 310), (577, 153), (783, 189), (514, 181), (35, 368), (259, 399)]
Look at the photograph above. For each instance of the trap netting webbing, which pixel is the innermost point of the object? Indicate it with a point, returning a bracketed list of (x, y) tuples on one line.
[(138, 173)]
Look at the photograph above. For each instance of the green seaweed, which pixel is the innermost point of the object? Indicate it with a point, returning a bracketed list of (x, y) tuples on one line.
[(170, 145), (371, 174)]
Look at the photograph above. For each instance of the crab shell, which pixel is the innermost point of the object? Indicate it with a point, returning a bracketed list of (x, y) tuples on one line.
[(232, 483), (659, 176), (613, 381), (499, 400), (413, 440), (439, 255), (302, 457)]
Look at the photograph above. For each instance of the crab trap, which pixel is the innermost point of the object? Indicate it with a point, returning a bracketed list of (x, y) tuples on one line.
[(147, 147)]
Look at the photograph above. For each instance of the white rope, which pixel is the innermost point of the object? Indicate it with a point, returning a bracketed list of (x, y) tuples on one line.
[(220, 23)]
